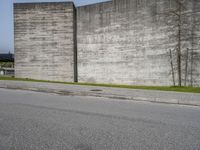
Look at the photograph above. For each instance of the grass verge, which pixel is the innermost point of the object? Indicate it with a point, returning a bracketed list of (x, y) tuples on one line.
[(160, 88)]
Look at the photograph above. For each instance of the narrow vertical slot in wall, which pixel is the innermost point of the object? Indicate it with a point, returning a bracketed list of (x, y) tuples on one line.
[(75, 47)]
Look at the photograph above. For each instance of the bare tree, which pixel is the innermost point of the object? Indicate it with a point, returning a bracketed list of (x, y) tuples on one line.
[(178, 12)]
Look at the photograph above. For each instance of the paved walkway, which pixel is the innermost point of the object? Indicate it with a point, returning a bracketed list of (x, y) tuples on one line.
[(107, 92)]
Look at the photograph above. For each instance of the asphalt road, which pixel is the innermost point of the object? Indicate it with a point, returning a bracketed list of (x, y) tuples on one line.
[(44, 121)]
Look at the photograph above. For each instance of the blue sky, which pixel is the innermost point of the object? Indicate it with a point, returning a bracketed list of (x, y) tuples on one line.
[(6, 20)]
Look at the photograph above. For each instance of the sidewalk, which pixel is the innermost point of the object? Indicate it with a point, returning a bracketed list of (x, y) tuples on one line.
[(107, 92)]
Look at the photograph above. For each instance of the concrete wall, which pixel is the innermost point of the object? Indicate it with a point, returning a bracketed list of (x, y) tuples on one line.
[(194, 72), (128, 42), (44, 41), (118, 42)]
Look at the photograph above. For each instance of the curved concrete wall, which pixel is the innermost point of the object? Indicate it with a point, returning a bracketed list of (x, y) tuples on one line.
[(128, 42)]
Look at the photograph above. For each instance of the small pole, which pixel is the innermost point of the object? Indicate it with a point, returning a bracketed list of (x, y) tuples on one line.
[(171, 61), (191, 73), (186, 66)]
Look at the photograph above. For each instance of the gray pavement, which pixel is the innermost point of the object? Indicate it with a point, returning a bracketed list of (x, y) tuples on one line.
[(48, 121), (107, 92)]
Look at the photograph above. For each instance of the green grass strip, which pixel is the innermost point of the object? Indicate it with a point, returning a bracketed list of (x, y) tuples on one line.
[(160, 88)]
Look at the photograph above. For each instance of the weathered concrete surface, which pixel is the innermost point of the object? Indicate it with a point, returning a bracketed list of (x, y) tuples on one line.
[(44, 41), (119, 41), (195, 42), (128, 42), (107, 92)]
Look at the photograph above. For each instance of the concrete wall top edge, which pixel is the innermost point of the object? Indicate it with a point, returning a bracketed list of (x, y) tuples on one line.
[(95, 4), (37, 3)]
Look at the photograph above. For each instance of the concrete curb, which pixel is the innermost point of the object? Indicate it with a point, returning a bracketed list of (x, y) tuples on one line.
[(80, 90)]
